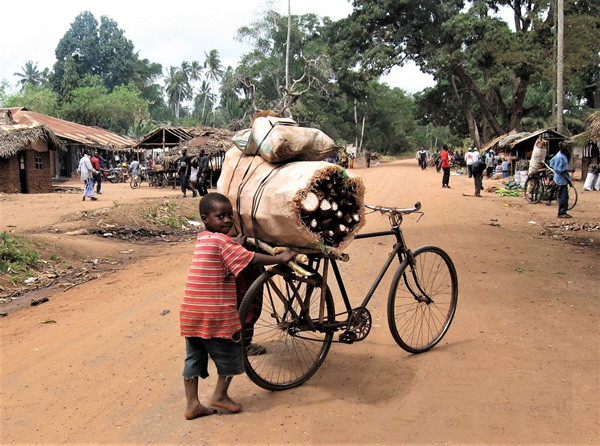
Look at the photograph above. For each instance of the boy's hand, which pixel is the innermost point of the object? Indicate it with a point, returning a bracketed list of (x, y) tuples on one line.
[(240, 239), (286, 256)]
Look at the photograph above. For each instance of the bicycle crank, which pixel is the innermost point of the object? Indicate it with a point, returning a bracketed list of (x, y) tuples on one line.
[(359, 326)]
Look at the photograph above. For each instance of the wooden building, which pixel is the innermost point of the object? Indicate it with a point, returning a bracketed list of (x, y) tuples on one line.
[(25, 165)]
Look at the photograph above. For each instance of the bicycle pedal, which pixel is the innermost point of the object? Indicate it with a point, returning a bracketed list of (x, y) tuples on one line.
[(347, 337)]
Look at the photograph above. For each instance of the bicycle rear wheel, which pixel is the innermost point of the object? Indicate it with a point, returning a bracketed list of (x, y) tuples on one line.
[(271, 317), (422, 300), (572, 197), (533, 190), (161, 180)]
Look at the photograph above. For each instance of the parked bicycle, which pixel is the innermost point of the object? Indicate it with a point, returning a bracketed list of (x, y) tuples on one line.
[(295, 319), (154, 178), (541, 186)]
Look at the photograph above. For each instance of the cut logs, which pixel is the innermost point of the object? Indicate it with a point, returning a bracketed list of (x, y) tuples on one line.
[(308, 204)]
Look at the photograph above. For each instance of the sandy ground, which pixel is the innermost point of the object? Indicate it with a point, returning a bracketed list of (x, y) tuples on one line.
[(519, 365)]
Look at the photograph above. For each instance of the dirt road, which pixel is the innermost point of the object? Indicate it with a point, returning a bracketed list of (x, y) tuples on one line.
[(520, 364)]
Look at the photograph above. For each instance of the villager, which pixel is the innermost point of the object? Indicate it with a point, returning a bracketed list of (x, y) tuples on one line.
[(469, 160), (98, 176), (489, 163), (209, 318), (445, 164), (560, 164), (478, 169), (203, 172), (589, 155), (86, 174), (184, 171), (368, 158)]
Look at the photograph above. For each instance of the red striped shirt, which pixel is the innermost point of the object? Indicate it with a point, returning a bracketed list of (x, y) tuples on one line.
[(209, 307)]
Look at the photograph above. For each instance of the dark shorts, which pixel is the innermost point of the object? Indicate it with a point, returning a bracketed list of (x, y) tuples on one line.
[(226, 354)]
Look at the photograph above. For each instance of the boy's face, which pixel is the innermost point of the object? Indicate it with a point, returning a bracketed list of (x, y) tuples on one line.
[(220, 218)]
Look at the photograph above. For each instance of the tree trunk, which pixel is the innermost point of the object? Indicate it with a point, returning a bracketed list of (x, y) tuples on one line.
[(287, 48), (468, 112), (518, 99), (559, 66), (355, 124), (485, 106), (362, 134)]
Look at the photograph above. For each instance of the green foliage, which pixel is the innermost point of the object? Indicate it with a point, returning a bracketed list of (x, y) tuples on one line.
[(17, 258), (31, 75), (35, 98)]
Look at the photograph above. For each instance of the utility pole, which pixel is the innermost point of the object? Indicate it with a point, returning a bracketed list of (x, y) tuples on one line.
[(560, 66)]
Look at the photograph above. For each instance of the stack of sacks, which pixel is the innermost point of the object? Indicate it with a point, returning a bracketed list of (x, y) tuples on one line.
[(302, 204)]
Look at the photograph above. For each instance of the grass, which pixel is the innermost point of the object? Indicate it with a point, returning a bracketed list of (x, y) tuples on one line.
[(17, 258), (166, 214)]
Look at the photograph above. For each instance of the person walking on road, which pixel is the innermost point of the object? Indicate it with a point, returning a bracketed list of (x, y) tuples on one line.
[(86, 174), (469, 161), (445, 164), (98, 177), (478, 169)]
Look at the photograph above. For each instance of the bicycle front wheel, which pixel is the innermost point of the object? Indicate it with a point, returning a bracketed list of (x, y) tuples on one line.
[(533, 190), (295, 343), (135, 181), (572, 197), (422, 299)]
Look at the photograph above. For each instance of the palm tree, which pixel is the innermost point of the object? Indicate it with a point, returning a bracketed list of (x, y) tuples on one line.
[(31, 75), (214, 72), (177, 86)]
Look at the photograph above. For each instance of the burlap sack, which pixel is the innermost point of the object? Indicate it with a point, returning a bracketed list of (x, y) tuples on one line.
[(540, 150), (280, 139), (266, 198)]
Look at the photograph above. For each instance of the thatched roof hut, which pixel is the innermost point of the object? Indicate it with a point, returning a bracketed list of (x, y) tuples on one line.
[(25, 160), (593, 125), (14, 138), (214, 141)]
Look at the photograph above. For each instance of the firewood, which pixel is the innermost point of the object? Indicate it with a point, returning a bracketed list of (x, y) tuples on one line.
[(310, 203)]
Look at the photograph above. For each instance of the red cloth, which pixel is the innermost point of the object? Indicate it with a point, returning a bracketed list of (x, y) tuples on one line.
[(95, 163), (209, 308), (445, 158)]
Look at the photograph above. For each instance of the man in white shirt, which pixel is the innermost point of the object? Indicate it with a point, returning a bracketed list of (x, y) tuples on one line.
[(86, 174), (469, 160)]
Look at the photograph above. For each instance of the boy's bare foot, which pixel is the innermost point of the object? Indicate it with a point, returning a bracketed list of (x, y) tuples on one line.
[(199, 411), (225, 403)]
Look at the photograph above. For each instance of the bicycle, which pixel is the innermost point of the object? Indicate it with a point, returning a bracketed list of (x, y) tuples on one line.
[(540, 186), (154, 179), (294, 316)]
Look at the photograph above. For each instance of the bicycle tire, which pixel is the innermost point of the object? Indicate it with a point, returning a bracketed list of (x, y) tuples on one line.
[(293, 352), (135, 181), (418, 326), (533, 190), (161, 181), (572, 193)]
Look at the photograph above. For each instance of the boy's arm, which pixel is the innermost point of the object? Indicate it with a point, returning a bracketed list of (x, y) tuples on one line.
[(264, 259)]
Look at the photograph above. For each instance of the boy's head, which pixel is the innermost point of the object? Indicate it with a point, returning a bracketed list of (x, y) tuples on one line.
[(216, 213)]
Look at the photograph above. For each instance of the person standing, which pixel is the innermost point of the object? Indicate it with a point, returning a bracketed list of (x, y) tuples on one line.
[(184, 171), (445, 164), (202, 173), (134, 167), (489, 164), (86, 174), (368, 158), (589, 155), (98, 176), (560, 165), (469, 161)]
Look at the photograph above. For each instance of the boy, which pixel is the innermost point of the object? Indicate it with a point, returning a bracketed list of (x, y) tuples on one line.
[(209, 317)]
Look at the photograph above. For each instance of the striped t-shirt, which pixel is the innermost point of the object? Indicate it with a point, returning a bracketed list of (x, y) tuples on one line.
[(209, 307)]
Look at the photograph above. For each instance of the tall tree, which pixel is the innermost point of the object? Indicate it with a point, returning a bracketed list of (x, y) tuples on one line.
[(177, 86), (214, 73), (97, 49), (31, 75)]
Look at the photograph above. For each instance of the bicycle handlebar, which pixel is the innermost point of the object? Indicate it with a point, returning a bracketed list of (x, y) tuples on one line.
[(393, 211)]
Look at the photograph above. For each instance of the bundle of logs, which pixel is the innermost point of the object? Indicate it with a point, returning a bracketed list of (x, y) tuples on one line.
[(331, 208), (313, 205)]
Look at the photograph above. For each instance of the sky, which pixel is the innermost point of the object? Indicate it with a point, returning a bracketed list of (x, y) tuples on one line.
[(163, 32)]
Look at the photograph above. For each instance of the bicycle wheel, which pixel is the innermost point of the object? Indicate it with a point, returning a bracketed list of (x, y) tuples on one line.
[(135, 181), (271, 316), (572, 197), (533, 190), (161, 180), (422, 300)]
